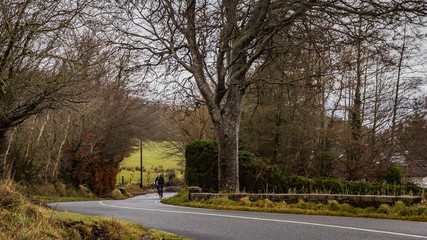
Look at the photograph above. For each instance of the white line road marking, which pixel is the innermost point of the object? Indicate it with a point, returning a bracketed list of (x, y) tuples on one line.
[(271, 220)]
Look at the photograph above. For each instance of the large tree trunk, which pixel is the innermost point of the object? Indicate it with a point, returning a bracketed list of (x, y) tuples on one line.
[(227, 128), (228, 156), (225, 100)]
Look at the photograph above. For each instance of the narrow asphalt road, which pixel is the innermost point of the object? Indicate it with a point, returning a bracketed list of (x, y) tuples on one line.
[(216, 224)]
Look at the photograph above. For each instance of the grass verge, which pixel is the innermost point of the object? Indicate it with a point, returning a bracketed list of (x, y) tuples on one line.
[(398, 211), (49, 192), (21, 218)]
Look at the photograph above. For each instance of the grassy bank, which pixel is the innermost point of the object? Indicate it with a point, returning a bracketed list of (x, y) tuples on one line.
[(48, 192), (398, 211), (24, 218)]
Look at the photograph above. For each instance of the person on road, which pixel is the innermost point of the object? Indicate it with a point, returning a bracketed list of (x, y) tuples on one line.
[(159, 184)]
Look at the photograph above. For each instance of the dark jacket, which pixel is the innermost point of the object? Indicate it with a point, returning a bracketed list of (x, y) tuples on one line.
[(160, 180)]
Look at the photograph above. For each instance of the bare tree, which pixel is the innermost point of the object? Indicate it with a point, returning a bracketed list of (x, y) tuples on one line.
[(184, 125), (406, 48), (33, 64)]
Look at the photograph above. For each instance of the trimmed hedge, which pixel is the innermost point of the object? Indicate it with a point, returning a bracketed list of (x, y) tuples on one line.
[(329, 185), (299, 184), (202, 170)]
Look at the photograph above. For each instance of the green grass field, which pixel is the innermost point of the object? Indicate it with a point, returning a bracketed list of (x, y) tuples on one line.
[(154, 160)]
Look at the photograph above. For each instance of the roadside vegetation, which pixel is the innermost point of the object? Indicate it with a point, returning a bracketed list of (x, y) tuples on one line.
[(258, 177), (25, 218), (49, 192), (398, 211)]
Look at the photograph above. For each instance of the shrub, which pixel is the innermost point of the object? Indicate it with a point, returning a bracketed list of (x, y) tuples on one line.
[(300, 184), (279, 179), (248, 169), (355, 187), (201, 159), (328, 185), (394, 175), (84, 191)]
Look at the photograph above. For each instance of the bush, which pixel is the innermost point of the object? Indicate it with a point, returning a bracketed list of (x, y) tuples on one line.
[(201, 159), (279, 181), (300, 184), (394, 175), (248, 179), (355, 187), (327, 185)]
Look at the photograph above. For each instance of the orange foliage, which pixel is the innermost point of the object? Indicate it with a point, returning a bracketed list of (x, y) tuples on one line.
[(89, 166), (102, 176)]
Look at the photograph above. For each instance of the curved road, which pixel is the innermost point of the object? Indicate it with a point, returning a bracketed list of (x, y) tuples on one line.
[(216, 224)]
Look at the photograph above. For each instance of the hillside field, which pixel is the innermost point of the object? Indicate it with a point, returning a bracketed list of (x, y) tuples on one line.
[(154, 159)]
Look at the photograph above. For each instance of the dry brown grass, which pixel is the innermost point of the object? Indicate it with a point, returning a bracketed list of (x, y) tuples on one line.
[(23, 218)]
